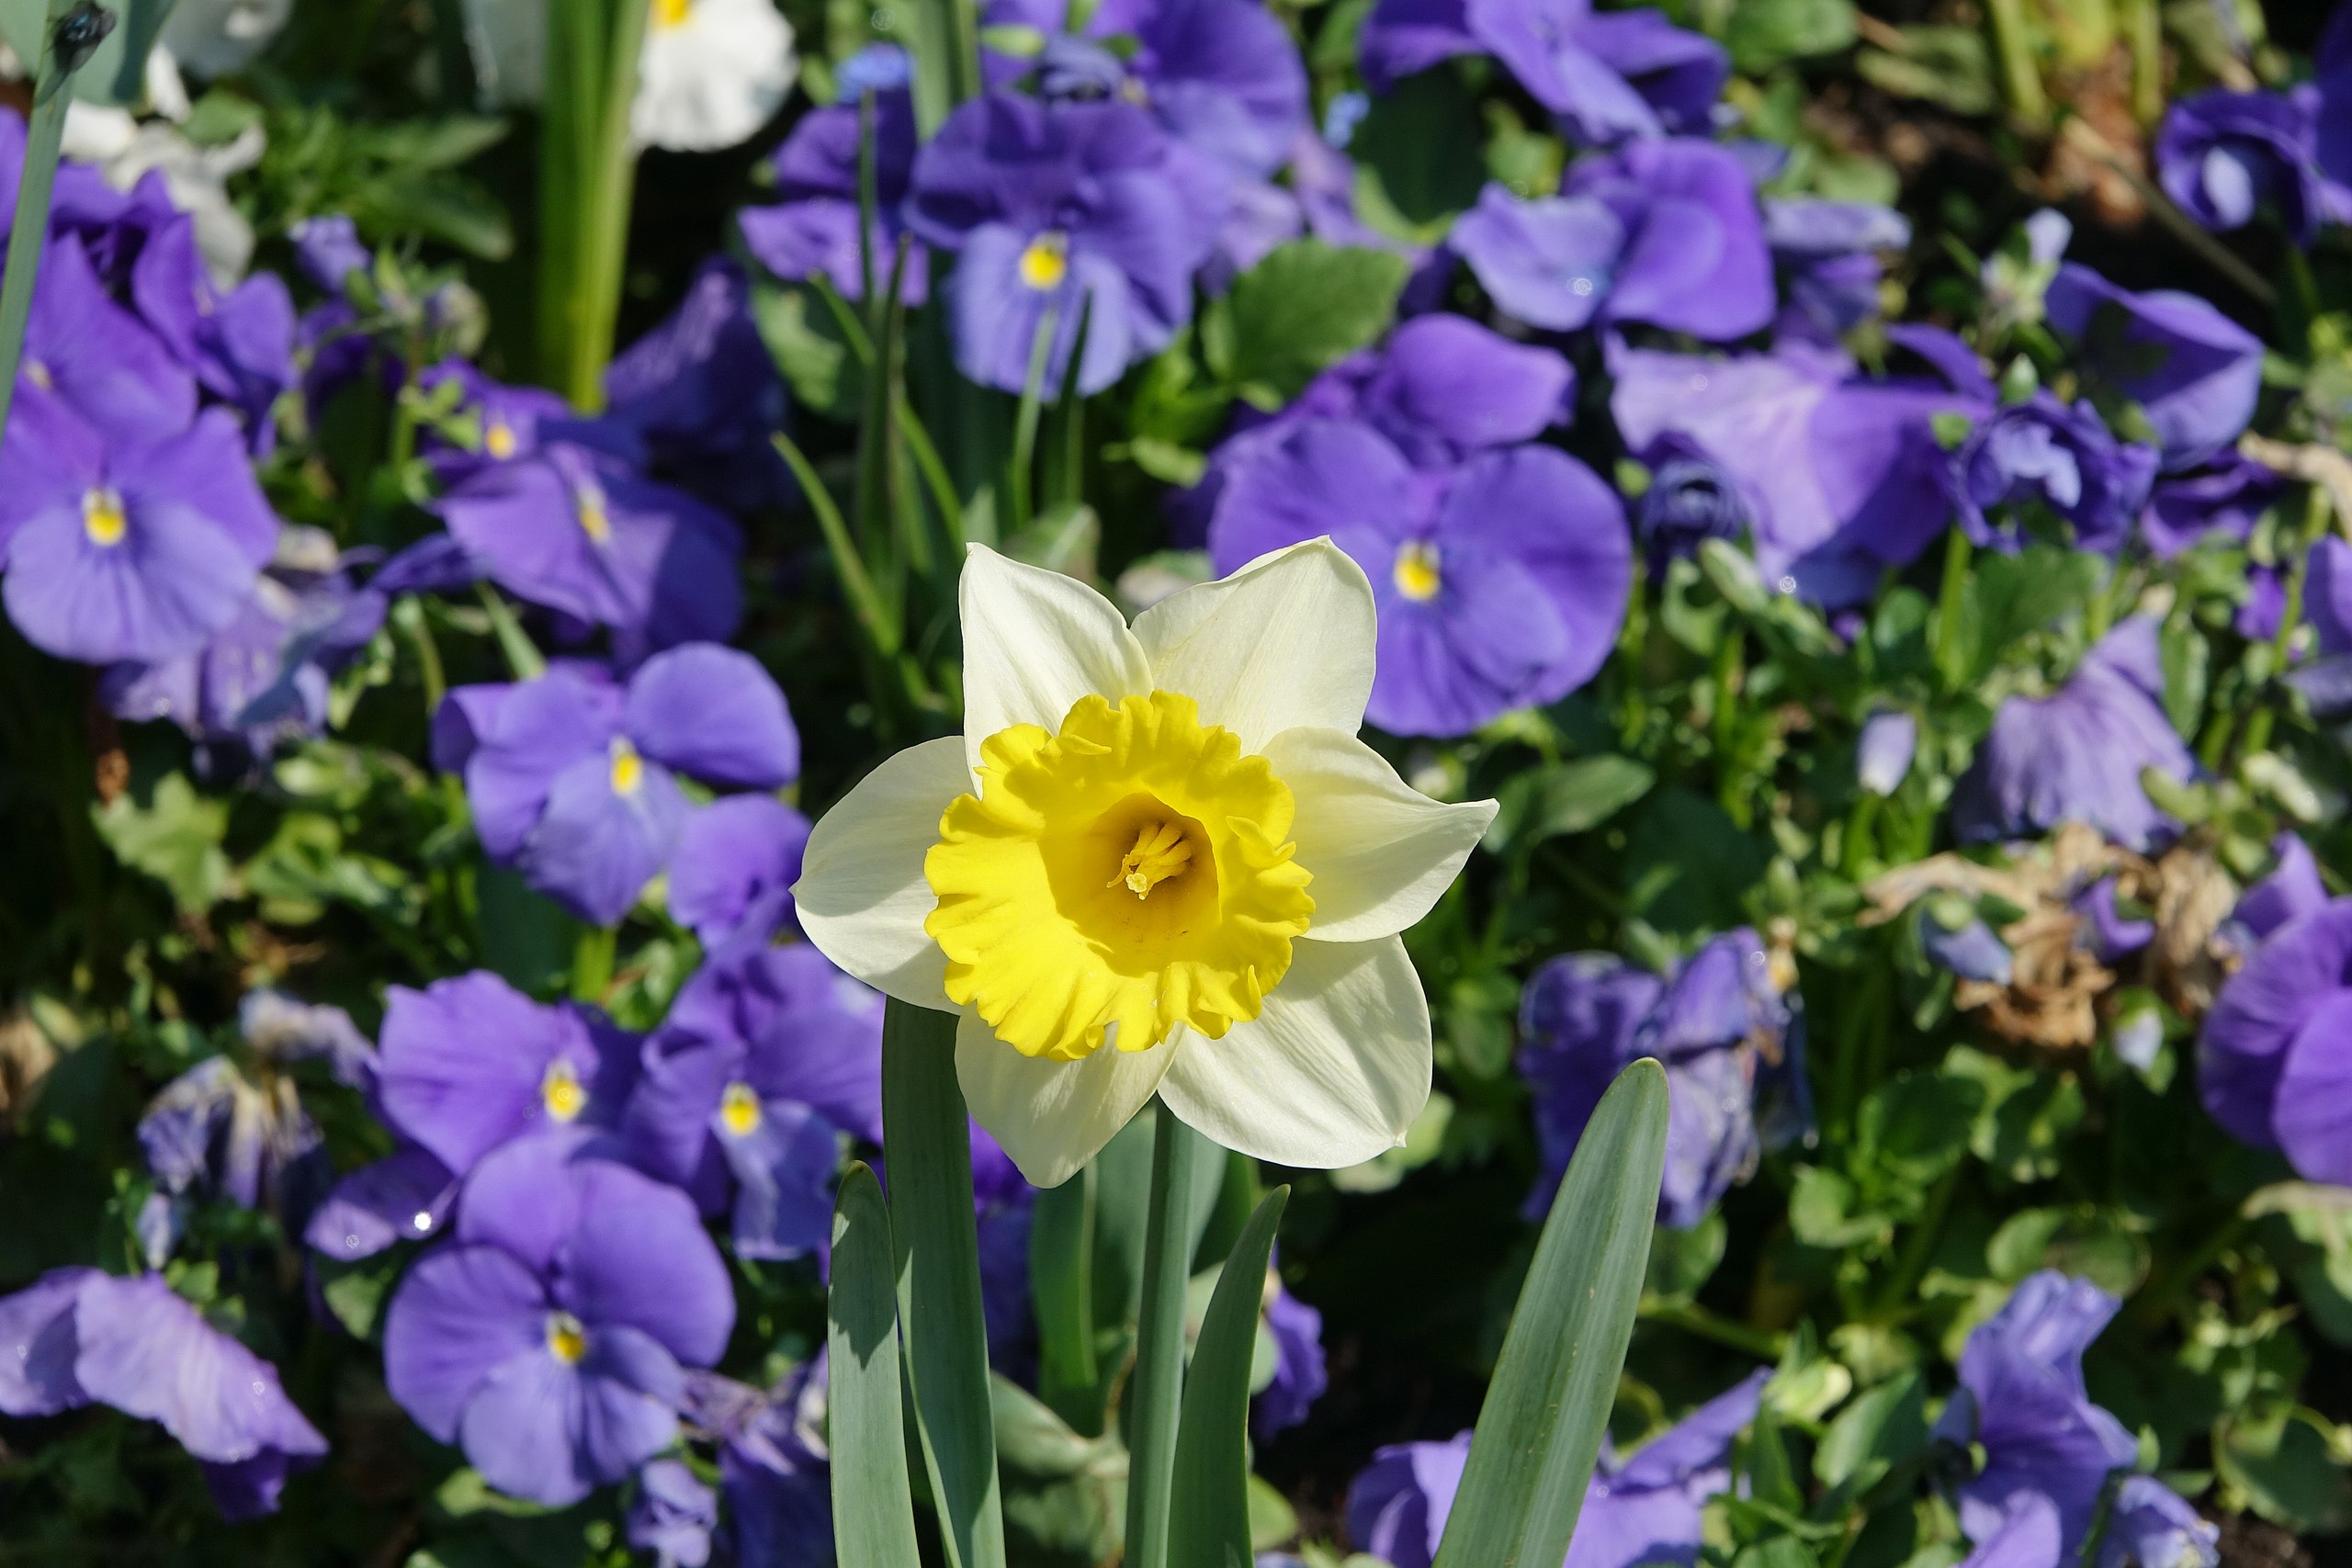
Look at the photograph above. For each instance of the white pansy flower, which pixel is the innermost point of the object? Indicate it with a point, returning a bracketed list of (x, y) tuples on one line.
[(1158, 862), (714, 72)]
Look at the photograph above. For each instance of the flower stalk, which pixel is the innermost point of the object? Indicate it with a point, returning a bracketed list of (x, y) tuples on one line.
[(1159, 1350)]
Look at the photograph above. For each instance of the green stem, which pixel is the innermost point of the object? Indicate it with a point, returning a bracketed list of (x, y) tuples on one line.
[(1691, 1317), (2167, 1289), (586, 187), (1020, 477), (1158, 1387), (2019, 75), (523, 659), (1919, 1251), (1951, 599), (42, 139), (1730, 787), (2316, 513), (881, 625), (591, 963), (2144, 26)]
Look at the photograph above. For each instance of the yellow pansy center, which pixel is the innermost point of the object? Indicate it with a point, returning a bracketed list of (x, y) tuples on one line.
[(588, 505), (1125, 877), (1415, 571), (566, 1339), (103, 518), (629, 768), (1044, 261), (739, 1110), (562, 1091), (498, 439), (671, 13)]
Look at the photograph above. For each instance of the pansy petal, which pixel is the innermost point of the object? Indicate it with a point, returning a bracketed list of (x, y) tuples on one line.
[(598, 844), (37, 1345), (861, 896), (714, 714), (1381, 851), (641, 1257), (1034, 642), (1331, 1074), (1051, 1116), (1285, 642), (459, 1314)]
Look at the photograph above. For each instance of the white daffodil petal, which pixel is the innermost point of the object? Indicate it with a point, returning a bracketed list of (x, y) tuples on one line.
[(862, 897), (1331, 1074), (1380, 850), (712, 73), (1034, 642), (1285, 642), (1053, 1116)]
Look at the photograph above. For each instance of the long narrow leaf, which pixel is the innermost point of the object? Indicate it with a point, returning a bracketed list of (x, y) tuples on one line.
[(874, 1516), (927, 1141), (1209, 1509), (1061, 1273), (1539, 1429), (43, 137), (1159, 1385)]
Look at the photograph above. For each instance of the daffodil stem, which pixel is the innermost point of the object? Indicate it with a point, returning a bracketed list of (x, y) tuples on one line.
[(1160, 1343), (43, 139)]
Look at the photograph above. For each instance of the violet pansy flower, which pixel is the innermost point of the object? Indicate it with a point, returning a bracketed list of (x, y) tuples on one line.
[(328, 250), (126, 550), (2076, 755), (76, 1336), (1643, 1507), (1889, 740), (1498, 584), (2057, 455), (701, 393), (2222, 156), (1695, 258), (1052, 207), (1720, 1026), (582, 532), (550, 1340), (2224, 499), (240, 343), (1549, 261), (2275, 1055), (736, 861), (814, 229), (674, 1516), (1299, 1374), (2022, 1402), (772, 1463), (573, 779), (99, 359), (405, 1196), (2195, 372), (469, 1062)]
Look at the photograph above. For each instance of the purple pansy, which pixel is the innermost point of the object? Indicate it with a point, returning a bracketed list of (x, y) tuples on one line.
[(99, 359), (1299, 1376), (1968, 949), (2222, 156), (2224, 498), (2153, 1525), (814, 229), (77, 1337), (789, 1006), (1606, 76), (328, 250), (1500, 583), (724, 1111), (1549, 261), (253, 1143), (2055, 454), (1002, 1206), (240, 343), (582, 532), (2027, 1537), (2292, 890), (1644, 1507), (1827, 250), (124, 549), (469, 1062), (509, 421), (1221, 76), (550, 1340), (2194, 371), (1694, 257), (572, 778), (701, 393), (2022, 1403), (772, 1466), (405, 1196), (2107, 930), (736, 861), (674, 1516), (1055, 207), (1691, 499), (2273, 1063), (2076, 754), (1882, 754), (1720, 1026)]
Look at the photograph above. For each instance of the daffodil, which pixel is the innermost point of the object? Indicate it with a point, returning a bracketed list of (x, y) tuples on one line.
[(1159, 861), (712, 73)]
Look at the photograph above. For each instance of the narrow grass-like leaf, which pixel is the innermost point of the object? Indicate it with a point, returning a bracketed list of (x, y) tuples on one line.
[(1158, 1388), (873, 1512), (1209, 1507), (926, 1138), (1548, 1402), (1061, 1273)]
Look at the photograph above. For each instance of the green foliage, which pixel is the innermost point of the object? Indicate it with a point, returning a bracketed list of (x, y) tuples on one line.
[(1301, 310)]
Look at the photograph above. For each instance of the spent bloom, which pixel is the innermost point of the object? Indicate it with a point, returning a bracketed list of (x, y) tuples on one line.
[(77, 1337), (574, 779), (1642, 1508), (550, 1340), (1159, 861), (1500, 584)]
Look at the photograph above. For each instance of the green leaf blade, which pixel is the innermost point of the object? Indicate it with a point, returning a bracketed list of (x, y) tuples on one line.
[(1209, 1518), (873, 1521), (926, 1133), (1540, 1430)]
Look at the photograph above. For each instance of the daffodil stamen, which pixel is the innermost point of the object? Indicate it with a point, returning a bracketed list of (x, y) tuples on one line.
[(1129, 876)]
